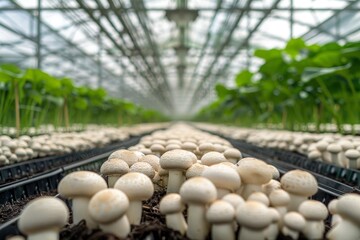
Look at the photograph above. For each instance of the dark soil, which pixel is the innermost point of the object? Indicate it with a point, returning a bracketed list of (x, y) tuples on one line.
[(11, 210)]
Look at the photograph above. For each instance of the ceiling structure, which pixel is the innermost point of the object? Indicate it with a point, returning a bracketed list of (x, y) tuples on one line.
[(163, 54)]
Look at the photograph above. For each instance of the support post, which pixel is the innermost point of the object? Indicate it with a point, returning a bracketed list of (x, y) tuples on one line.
[(38, 35)]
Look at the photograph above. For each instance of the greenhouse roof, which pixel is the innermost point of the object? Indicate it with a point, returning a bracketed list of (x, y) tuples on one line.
[(163, 54)]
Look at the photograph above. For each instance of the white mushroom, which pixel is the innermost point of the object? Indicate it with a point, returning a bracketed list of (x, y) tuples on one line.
[(294, 223), (42, 218), (108, 208), (197, 193), (114, 168), (315, 213), (80, 186), (172, 206), (138, 187), (221, 215)]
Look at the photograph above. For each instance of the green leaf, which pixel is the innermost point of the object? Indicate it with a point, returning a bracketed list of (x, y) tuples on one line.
[(243, 78), (294, 47), (314, 72), (268, 54), (328, 59), (80, 103), (221, 90)]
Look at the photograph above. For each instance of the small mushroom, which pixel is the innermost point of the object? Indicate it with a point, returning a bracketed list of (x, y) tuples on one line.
[(259, 197), (315, 213), (128, 156), (300, 185), (272, 232), (177, 162), (80, 186), (270, 186), (294, 223), (108, 208), (157, 149), (253, 173), (197, 193), (335, 218), (114, 168), (334, 150), (195, 170), (206, 147), (280, 199), (143, 167), (353, 156), (42, 218), (254, 218), (233, 155), (138, 187), (212, 158), (349, 211), (153, 160), (225, 179), (172, 206), (221, 215)]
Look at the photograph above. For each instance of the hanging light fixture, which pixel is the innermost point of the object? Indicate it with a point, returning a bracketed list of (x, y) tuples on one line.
[(181, 16)]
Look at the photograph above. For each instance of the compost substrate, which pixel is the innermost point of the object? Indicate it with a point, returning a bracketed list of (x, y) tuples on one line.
[(12, 210)]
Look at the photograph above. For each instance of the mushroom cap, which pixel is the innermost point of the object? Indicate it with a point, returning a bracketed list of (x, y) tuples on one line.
[(20, 152), (334, 148), (275, 172), (114, 166), (172, 146), (253, 215), (314, 154), (322, 145), (195, 170), (352, 153), (189, 146), (267, 188), (156, 147), (220, 212), (294, 221), (143, 167), (171, 203), (43, 213), (259, 197), (177, 159), (81, 184), (145, 151), (232, 153), (332, 206), (275, 216), (198, 190), (313, 210), (223, 176), (279, 197), (128, 156), (206, 147), (299, 182), (234, 199), (254, 171), (212, 158), (153, 160), (108, 205), (348, 207), (137, 186), (139, 154)]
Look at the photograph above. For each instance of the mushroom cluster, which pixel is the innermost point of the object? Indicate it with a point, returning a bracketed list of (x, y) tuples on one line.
[(14, 150), (222, 193), (343, 151)]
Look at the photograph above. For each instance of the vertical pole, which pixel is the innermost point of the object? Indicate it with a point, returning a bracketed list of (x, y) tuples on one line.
[(247, 44), (337, 26), (38, 35), (291, 19), (99, 60)]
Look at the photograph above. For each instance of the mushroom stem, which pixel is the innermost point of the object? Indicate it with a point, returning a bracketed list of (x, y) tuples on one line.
[(80, 211), (314, 229), (249, 189), (249, 234), (119, 228), (175, 180), (295, 201), (282, 211), (48, 235), (221, 192), (291, 233), (198, 227), (112, 180), (353, 163), (134, 212), (177, 222), (272, 231), (222, 231), (345, 229)]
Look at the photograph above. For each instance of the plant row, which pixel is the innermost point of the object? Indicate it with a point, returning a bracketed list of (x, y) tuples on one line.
[(31, 98), (294, 86)]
